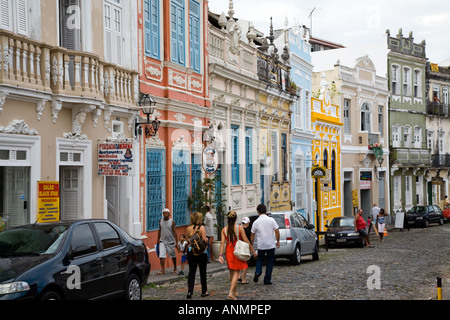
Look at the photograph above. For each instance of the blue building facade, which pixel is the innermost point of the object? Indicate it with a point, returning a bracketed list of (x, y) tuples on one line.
[(297, 40)]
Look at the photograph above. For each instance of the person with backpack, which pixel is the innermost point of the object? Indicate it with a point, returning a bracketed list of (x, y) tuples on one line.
[(196, 256), (229, 237)]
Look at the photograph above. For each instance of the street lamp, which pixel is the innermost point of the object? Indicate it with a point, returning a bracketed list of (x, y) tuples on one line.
[(380, 162), (147, 104)]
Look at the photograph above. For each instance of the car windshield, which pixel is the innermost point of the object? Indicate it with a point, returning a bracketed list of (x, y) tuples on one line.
[(279, 218), (346, 222), (418, 209), (31, 240)]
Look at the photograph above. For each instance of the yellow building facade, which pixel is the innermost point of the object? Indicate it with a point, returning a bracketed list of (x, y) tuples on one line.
[(326, 152)]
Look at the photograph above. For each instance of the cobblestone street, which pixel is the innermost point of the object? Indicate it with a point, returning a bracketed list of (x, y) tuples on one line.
[(409, 263)]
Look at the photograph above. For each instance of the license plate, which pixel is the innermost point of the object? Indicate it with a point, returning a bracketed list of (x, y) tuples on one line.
[(341, 240)]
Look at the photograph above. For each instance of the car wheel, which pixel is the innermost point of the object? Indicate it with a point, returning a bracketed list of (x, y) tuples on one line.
[(426, 224), (441, 221), (133, 290), (315, 255), (51, 295), (296, 256)]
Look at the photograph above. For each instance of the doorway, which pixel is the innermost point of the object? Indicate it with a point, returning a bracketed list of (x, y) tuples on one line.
[(70, 185), (14, 195)]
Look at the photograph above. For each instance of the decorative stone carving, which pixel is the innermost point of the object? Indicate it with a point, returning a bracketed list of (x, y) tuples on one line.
[(18, 127), (40, 108)]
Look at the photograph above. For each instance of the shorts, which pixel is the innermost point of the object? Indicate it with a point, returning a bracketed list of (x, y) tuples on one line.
[(363, 232), (183, 258), (167, 249)]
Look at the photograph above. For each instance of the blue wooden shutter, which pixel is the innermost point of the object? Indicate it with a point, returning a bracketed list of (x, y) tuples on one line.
[(155, 187), (194, 34), (234, 155), (181, 186), (151, 28), (177, 31), (248, 156)]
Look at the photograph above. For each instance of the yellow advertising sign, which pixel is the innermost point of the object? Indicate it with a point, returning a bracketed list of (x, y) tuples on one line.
[(355, 201), (48, 201)]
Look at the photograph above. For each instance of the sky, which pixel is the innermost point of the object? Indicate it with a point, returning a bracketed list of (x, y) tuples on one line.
[(353, 22)]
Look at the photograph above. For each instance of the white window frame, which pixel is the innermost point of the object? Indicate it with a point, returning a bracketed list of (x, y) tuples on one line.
[(417, 137), (406, 83), (14, 16), (396, 136), (395, 69), (430, 139), (417, 83), (407, 136), (114, 52)]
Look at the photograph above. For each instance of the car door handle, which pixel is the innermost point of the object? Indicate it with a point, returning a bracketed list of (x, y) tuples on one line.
[(99, 261)]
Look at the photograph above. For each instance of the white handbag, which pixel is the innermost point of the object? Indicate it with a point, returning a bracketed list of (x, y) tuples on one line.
[(242, 250)]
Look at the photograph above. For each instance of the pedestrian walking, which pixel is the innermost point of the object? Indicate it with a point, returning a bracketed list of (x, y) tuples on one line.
[(167, 241), (381, 223), (265, 229), (361, 227), (209, 232), (229, 237), (196, 260), (182, 247), (246, 225)]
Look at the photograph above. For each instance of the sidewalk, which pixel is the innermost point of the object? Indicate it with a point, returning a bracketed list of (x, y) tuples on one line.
[(212, 267)]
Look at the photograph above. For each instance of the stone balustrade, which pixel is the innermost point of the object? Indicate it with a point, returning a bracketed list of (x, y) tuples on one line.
[(30, 64)]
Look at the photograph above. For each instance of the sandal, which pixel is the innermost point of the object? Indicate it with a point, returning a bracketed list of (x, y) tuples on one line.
[(244, 282), (206, 294), (160, 273), (232, 298)]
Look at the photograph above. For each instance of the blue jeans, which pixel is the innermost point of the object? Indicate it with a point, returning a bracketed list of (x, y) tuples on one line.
[(269, 266)]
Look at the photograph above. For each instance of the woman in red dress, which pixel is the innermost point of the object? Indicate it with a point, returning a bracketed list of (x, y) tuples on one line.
[(229, 237)]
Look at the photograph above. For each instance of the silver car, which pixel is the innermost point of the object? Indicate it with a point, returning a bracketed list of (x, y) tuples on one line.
[(297, 236)]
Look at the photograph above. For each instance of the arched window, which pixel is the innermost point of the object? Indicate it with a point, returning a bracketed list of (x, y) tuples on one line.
[(333, 170), (325, 158)]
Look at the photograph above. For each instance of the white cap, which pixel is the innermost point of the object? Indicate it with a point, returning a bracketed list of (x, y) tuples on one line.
[(166, 210), (245, 220)]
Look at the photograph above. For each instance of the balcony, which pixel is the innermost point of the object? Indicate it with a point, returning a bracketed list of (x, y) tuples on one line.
[(411, 157), (29, 64), (437, 109), (440, 160)]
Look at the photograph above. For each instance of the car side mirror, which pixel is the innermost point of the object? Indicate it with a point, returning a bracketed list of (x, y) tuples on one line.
[(311, 226), (327, 226)]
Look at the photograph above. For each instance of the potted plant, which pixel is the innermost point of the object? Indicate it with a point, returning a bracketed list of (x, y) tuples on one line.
[(377, 149)]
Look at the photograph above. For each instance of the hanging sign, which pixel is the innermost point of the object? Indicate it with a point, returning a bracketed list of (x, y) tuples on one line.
[(318, 172), (48, 201), (210, 160), (115, 159)]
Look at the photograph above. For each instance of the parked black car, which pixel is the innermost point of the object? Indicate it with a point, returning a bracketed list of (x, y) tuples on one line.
[(341, 231), (71, 260), (424, 215)]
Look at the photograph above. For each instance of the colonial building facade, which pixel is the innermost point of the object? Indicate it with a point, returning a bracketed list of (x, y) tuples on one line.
[(438, 131), (68, 84), (173, 69), (296, 40), (410, 157)]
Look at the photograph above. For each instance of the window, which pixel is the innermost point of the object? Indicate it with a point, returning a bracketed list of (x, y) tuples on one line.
[(70, 28), (234, 155), (396, 136), (152, 28), (109, 237), (177, 32), (333, 170), (407, 137), (194, 35), (347, 128), (300, 189), (82, 237), (441, 143), (395, 79), (113, 31), (430, 138), (397, 191), (307, 111), (408, 198), (284, 156), (406, 81), (417, 137), (181, 185), (417, 84), (14, 16), (380, 121), (156, 177), (248, 156), (325, 158), (365, 117), (275, 155)]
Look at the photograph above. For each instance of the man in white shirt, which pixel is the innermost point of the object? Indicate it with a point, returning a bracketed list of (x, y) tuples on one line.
[(266, 231), (209, 232)]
